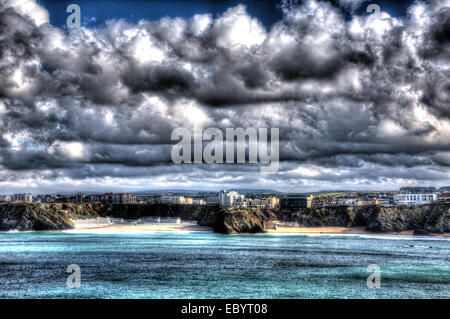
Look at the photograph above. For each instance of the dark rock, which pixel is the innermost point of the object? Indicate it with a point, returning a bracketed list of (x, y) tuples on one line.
[(317, 217), (421, 232), (240, 221), (23, 216)]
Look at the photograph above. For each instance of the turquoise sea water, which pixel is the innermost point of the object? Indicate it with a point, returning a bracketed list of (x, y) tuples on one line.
[(207, 265)]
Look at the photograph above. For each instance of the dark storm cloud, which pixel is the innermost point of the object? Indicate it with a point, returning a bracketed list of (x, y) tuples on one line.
[(437, 40), (359, 101), (162, 79), (18, 41)]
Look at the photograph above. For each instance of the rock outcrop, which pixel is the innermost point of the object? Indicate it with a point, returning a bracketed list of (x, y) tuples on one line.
[(22, 216), (342, 216), (229, 221), (429, 218), (54, 216)]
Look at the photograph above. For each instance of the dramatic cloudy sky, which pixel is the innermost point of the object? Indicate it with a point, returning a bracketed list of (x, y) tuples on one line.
[(362, 102)]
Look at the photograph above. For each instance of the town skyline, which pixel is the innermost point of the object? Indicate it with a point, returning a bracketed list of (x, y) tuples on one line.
[(217, 190), (244, 200)]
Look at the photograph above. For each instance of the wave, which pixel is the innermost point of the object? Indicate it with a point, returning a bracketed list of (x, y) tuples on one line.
[(130, 231), (368, 236), (16, 231)]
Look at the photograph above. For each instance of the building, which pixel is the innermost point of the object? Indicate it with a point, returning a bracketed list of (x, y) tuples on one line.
[(23, 197), (272, 202), (80, 198), (212, 200), (344, 201), (365, 202), (5, 198), (198, 201), (255, 203), (444, 198), (46, 198), (297, 201), (143, 199), (414, 199), (320, 202), (231, 199), (383, 202), (259, 203), (175, 200), (113, 198), (168, 199), (156, 198), (123, 199)]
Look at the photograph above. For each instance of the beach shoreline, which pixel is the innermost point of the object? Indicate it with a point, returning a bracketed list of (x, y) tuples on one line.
[(169, 227), (281, 229)]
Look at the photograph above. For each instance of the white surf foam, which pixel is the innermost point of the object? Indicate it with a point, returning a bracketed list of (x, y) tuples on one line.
[(130, 231), (371, 236)]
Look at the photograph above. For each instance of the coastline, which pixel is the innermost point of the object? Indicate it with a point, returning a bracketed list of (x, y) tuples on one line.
[(338, 230), (184, 227), (285, 230), (433, 219)]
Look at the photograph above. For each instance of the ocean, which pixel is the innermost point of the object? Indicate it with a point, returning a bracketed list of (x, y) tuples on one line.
[(209, 265)]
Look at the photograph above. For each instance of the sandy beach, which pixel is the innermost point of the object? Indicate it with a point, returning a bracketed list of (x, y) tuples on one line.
[(145, 227), (317, 230), (282, 229)]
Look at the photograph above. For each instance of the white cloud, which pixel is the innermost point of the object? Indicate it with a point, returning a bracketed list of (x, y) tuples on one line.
[(30, 9), (236, 29), (69, 150)]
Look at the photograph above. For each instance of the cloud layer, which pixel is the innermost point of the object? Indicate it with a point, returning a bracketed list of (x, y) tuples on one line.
[(361, 102)]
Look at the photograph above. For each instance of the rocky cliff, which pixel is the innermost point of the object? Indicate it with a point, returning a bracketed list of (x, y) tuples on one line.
[(22, 216), (421, 219), (241, 221), (53, 216)]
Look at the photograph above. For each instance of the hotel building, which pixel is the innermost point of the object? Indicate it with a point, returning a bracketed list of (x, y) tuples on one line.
[(23, 197), (414, 199)]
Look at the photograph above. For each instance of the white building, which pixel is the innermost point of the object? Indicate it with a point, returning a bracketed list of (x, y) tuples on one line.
[(414, 199), (5, 198), (23, 197), (179, 200), (171, 199), (212, 200), (230, 198), (346, 201)]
